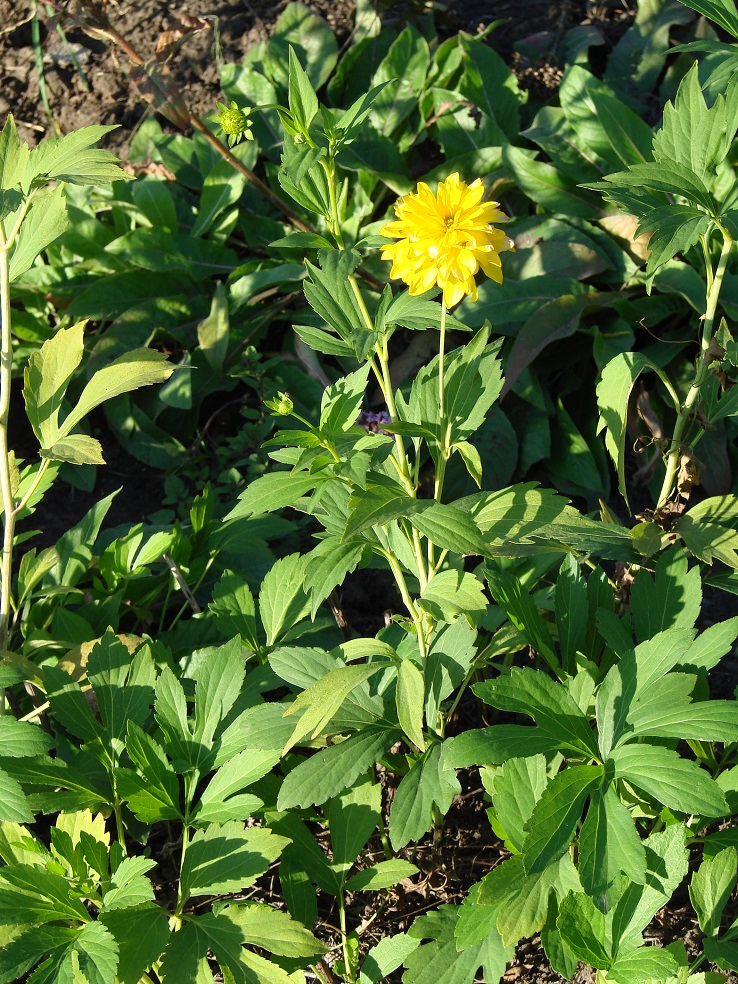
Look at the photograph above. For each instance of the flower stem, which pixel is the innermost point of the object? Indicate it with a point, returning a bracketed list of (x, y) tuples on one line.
[(6, 492), (703, 364)]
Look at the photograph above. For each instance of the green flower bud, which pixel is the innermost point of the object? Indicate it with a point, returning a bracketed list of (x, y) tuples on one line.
[(281, 405), (235, 123)]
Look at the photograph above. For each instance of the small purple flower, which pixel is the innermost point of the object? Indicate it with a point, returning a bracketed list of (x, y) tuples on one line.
[(371, 422)]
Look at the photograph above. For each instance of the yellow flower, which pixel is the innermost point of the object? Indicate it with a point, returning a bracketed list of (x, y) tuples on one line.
[(445, 239)]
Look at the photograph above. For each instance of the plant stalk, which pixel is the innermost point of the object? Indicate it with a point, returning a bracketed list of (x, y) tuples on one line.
[(703, 365), (6, 492)]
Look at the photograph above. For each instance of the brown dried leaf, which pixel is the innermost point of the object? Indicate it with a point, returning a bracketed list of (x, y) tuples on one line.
[(623, 227)]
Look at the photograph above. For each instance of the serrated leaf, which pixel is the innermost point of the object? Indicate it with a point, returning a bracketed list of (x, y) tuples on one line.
[(283, 601), (152, 793), (571, 611), (141, 934), (234, 610), (272, 492), (21, 738), (273, 930), (328, 565), (533, 693), (44, 222), (352, 818), (128, 885), (427, 784), (142, 367), (219, 680), (323, 699), (219, 801), (675, 782), (517, 787), (551, 826), (410, 700), (46, 378), (609, 846), (384, 874), (13, 804), (667, 859), (225, 858), (335, 768), (711, 887)]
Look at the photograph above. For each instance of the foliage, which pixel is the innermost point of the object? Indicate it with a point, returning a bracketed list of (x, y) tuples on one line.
[(185, 717)]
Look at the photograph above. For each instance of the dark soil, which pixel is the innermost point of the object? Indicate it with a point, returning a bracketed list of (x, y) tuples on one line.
[(529, 39)]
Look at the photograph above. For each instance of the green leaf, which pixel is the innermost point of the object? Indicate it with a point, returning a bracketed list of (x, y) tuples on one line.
[(342, 401), (273, 930), (609, 846), (123, 686), (629, 136), (352, 819), (711, 887), (518, 604), (451, 593), (128, 886), (227, 858), (303, 102), (219, 801), (219, 680), (283, 601), (522, 901), (31, 895), (272, 492), (428, 783), (674, 229), (77, 449), (335, 768), (410, 699), (379, 506), (405, 68), (142, 367), (320, 702), (75, 159), (234, 610), (384, 874), (550, 828), (46, 377), (613, 395), (722, 12), (672, 781), (582, 928), (212, 332), (141, 934), (327, 566), (389, 954), (671, 599), (13, 804), (441, 962), (44, 222), (531, 692), (20, 738), (152, 793), (648, 963), (571, 611), (667, 859), (517, 787), (692, 134), (551, 188), (492, 746)]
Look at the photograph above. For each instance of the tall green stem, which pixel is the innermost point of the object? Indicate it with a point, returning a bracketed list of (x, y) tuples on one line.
[(6, 491), (703, 366)]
